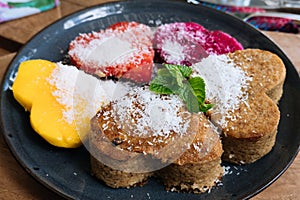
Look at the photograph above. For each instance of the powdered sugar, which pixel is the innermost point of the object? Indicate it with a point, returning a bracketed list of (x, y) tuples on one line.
[(113, 51), (180, 43), (109, 51), (174, 50), (193, 41), (147, 114), (226, 84), (79, 93)]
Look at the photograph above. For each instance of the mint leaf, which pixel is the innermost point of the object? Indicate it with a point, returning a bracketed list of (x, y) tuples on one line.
[(205, 107), (198, 85), (164, 82), (160, 89), (176, 73), (175, 79), (187, 95), (184, 70)]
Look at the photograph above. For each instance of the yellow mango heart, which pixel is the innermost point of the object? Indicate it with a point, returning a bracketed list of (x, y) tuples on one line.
[(31, 75), (59, 99)]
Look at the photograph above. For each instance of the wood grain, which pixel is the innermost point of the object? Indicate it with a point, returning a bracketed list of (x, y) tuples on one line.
[(286, 187), (23, 29), (290, 44), (4, 52), (16, 183), (4, 61)]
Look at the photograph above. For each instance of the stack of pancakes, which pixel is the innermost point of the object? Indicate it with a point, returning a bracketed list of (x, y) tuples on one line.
[(133, 139), (248, 137)]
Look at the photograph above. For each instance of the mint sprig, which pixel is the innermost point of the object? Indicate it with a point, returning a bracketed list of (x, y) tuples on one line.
[(175, 79)]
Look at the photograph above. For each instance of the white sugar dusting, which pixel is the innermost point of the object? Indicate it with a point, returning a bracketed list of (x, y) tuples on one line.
[(109, 51), (148, 114), (179, 44), (113, 47), (79, 93), (63, 80), (226, 85), (235, 170), (174, 50)]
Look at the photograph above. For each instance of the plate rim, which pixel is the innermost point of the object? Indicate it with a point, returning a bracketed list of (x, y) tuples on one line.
[(10, 68)]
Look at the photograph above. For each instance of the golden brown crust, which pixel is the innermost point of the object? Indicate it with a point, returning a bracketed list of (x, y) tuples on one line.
[(195, 178), (242, 151), (251, 130), (266, 69), (204, 141), (205, 147), (257, 118), (199, 168), (119, 142), (116, 178), (201, 147)]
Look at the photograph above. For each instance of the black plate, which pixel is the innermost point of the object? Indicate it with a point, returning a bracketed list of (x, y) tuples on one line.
[(66, 171)]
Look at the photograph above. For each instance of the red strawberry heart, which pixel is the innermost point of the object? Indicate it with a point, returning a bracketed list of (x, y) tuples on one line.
[(122, 50)]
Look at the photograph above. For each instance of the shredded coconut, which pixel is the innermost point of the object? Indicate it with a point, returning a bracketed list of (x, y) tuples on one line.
[(148, 114), (226, 85), (177, 44), (236, 170), (109, 51), (112, 47), (81, 94), (174, 50)]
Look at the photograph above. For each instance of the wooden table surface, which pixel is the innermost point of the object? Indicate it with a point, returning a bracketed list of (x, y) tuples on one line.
[(15, 183)]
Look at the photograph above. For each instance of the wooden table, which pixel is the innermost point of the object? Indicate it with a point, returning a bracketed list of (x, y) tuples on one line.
[(15, 183)]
